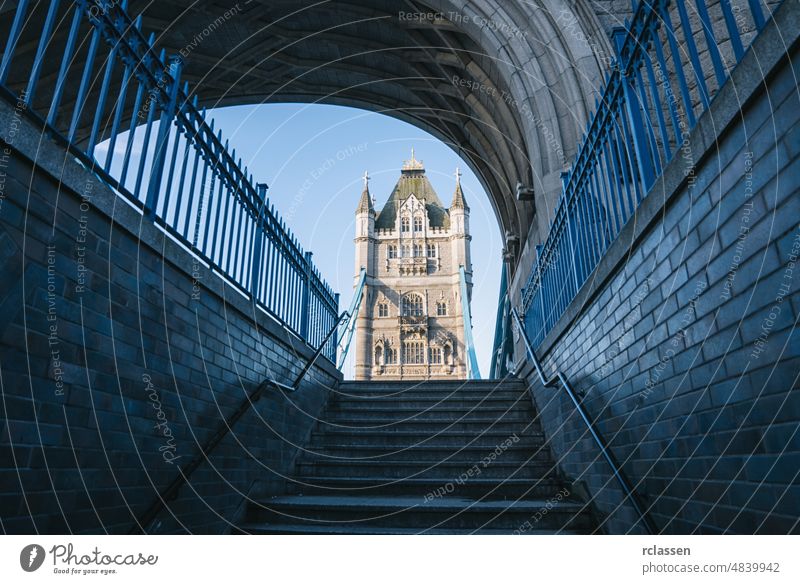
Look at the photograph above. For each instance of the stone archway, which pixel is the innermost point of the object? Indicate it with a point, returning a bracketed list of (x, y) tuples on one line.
[(507, 84)]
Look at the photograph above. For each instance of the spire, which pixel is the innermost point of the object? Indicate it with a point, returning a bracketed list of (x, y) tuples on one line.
[(365, 204), (413, 164), (458, 201)]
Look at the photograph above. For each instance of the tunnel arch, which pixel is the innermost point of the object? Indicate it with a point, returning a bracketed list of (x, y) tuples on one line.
[(507, 85)]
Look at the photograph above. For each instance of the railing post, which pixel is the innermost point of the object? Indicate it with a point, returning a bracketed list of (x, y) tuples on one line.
[(332, 351), (160, 153), (643, 155), (573, 248), (258, 241), (304, 304)]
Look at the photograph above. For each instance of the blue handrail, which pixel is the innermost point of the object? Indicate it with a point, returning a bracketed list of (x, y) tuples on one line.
[(472, 360), (641, 122), (350, 323), (168, 160)]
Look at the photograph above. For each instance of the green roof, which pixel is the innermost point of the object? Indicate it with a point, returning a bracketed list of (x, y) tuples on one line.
[(413, 182)]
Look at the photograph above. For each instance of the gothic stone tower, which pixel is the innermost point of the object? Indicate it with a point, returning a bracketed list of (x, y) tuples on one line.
[(411, 324)]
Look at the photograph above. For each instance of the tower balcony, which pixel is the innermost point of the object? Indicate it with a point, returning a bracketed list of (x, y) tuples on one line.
[(417, 266), (411, 324)]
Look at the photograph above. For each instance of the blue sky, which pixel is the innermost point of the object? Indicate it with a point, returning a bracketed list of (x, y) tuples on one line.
[(313, 158)]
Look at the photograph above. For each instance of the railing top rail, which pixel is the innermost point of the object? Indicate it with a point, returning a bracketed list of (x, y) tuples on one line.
[(125, 36), (605, 450)]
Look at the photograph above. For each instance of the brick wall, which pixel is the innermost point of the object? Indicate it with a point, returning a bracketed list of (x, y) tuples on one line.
[(685, 342), (119, 355)]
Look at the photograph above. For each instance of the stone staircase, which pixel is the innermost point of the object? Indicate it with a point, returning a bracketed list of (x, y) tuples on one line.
[(424, 457)]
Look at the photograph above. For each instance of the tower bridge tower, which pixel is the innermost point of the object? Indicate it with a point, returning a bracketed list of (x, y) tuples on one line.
[(411, 324)]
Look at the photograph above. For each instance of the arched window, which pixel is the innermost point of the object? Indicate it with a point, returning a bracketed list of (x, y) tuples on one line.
[(404, 225), (441, 309), (390, 356), (412, 305), (431, 250), (383, 309), (417, 250), (391, 252), (417, 224), (414, 352), (406, 251)]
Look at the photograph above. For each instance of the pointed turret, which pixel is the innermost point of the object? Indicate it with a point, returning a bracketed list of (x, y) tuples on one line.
[(458, 201), (365, 204)]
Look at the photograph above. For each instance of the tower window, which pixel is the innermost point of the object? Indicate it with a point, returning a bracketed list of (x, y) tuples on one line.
[(436, 356), (414, 353), (431, 250), (406, 251), (417, 224), (404, 225), (412, 305), (383, 309), (441, 309), (390, 356), (417, 250), (391, 252)]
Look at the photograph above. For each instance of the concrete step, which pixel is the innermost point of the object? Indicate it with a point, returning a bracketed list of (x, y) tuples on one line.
[(430, 426), (420, 405), (444, 471), (511, 394), (345, 453), (337, 529), (406, 512), (474, 487), (398, 415), (532, 438), (458, 399), (478, 386)]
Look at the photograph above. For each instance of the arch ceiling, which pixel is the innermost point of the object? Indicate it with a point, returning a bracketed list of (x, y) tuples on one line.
[(508, 84)]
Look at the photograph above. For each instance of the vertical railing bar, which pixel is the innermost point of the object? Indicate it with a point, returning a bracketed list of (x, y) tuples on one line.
[(144, 152), (66, 60), (13, 37), (101, 102), (170, 178), (199, 213), (649, 126), (168, 113), (132, 129), (669, 93), (84, 86), (678, 64), (694, 56), (45, 39), (733, 29), (190, 202), (662, 124), (711, 41), (118, 108), (757, 14)]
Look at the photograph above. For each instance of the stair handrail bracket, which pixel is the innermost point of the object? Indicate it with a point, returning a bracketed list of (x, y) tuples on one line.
[(605, 450)]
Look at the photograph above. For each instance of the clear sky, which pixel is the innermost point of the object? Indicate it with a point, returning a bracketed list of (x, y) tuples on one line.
[(313, 157)]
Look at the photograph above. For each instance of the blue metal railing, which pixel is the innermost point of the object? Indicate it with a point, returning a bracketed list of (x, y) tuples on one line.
[(651, 100), (503, 344), (120, 107), (469, 344), (346, 335)]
